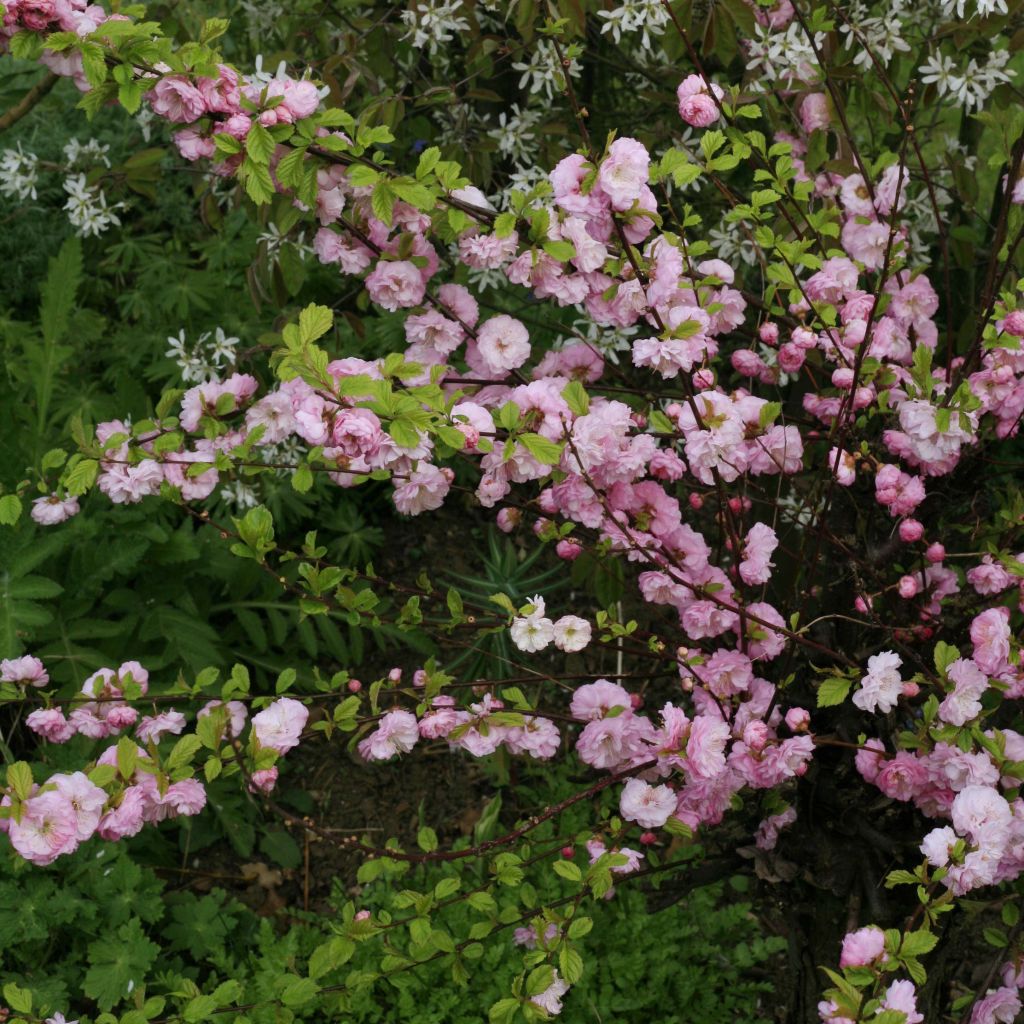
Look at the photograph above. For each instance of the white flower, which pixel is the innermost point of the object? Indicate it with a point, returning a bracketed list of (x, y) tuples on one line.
[(633, 15), (533, 632), (87, 207), (19, 173), (543, 71), (550, 1000), (515, 136), (881, 687), (649, 806), (433, 24), (571, 633)]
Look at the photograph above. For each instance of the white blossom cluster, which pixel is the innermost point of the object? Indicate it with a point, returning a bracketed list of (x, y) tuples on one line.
[(205, 359), (19, 173)]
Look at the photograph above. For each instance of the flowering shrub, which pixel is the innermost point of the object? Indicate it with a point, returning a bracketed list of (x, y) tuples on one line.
[(777, 435)]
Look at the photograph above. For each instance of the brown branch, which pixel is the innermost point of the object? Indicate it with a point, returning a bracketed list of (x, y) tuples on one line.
[(28, 101)]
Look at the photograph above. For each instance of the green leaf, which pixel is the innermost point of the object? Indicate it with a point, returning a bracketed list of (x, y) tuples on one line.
[(426, 839), (299, 991), (944, 656), (281, 848), (259, 143), (314, 322), (576, 397), (428, 161), (182, 752), (917, 943), (10, 509), (19, 779), (382, 202), (570, 965), (330, 955), (567, 869), (18, 999), (546, 452), (833, 691), (119, 964), (127, 757)]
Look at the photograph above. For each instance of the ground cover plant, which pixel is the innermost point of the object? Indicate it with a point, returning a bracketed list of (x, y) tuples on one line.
[(512, 510)]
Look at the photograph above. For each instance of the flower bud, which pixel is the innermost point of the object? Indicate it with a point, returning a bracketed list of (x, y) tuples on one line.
[(911, 530)]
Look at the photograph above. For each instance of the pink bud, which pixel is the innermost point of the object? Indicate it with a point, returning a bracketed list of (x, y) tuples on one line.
[(636, 701), (704, 379), (756, 735), (735, 505), (911, 530), (539, 525), (842, 378), (362, 915), (648, 838), (639, 420), (395, 675), (569, 549), (908, 587), (910, 689), (769, 333), (1014, 323), (863, 397), (861, 605), (568, 852), (419, 678), (791, 357), (798, 719), (354, 686), (696, 501), (935, 552), (508, 519)]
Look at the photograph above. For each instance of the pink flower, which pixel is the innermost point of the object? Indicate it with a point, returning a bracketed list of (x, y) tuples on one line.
[(234, 712), (990, 635), (26, 669), (177, 99), (649, 806), (814, 112), (999, 1006), (862, 947), (280, 726), (396, 733), (503, 343), (962, 705), (48, 827), (705, 749), (263, 780), (87, 801), (697, 106), (901, 997), (395, 284), (153, 727), (186, 797), (423, 490), (301, 99), (756, 567), (538, 737), (126, 819), (623, 172), (593, 701), (51, 724), (52, 510)]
